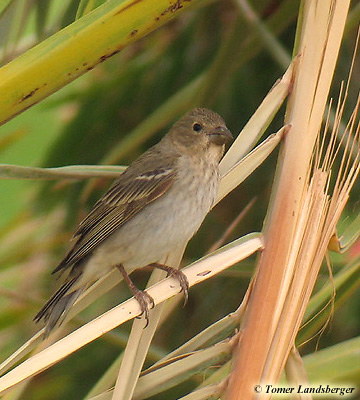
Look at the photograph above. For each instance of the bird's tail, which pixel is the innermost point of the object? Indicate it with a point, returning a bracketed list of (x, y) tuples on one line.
[(55, 310)]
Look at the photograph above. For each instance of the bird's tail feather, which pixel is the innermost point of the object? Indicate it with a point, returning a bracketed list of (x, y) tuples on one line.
[(56, 309)]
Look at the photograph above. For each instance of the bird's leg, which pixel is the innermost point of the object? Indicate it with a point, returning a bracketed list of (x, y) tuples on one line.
[(143, 298), (176, 273)]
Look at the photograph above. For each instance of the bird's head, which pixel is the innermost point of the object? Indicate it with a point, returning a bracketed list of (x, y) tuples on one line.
[(201, 130)]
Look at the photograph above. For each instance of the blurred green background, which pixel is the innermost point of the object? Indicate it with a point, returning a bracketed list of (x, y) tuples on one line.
[(90, 122)]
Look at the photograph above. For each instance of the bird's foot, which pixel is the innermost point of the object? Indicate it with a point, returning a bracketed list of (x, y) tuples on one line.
[(145, 301), (178, 274), (143, 298)]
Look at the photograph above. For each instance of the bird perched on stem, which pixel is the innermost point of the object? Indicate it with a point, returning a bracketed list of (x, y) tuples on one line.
[(154, 207)]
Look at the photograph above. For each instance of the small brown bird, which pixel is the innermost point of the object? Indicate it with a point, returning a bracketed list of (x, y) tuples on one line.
[(154, 207)]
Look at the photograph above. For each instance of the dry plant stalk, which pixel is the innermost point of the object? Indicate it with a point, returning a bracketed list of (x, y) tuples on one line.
[(301, 217)]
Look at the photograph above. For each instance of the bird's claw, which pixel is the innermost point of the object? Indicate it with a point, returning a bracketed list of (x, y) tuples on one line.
[(178, 274), (183, 282), (146, 302)]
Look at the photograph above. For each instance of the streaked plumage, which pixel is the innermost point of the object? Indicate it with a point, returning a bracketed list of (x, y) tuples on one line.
[(156, 205)]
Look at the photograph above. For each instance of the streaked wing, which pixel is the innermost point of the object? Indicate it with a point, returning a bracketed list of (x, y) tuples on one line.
[(147, 179)]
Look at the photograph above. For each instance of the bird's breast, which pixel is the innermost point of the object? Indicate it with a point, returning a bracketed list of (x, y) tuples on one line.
[(169, 221), (200, 180)]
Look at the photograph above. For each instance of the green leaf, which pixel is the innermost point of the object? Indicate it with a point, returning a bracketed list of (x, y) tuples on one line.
[(85, 6), (78, 48), (4, 4), (339, 363)]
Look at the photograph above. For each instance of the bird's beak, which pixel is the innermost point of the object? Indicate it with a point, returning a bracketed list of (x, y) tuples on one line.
[(220, 135)]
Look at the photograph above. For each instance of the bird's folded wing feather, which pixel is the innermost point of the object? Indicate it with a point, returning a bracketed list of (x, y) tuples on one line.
[(146, 180)]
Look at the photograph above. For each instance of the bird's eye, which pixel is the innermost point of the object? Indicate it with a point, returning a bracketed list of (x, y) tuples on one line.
[(197, 127)]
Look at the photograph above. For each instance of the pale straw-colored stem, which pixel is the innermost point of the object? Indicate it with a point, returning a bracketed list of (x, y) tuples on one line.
[(319, 41)]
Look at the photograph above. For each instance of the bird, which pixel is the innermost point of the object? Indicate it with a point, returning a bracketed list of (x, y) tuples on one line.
[(156, 205)]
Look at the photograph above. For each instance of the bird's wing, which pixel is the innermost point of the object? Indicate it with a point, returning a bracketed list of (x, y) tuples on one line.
[(143, 182)]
